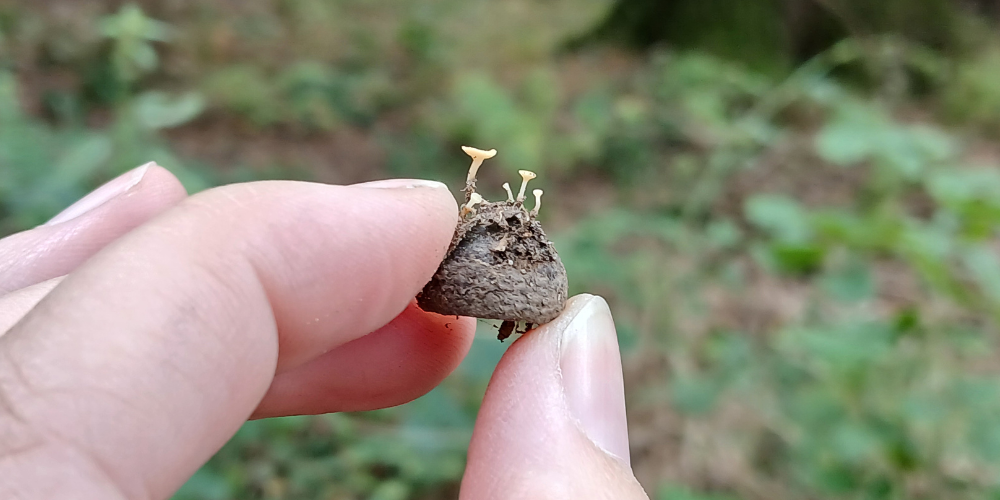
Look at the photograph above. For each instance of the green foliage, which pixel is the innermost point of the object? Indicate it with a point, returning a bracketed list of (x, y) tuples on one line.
[(770, 35), (681, 493), (131, 33), (383, 458), (975, 95), (158, 110), (850, 395), (44, 169), (485, 112), (415, 451), (308, 94), (859, 134)]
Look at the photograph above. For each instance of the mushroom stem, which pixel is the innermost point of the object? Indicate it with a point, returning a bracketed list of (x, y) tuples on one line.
[(526, 175), (538, 202), (510, 195), (473, 169)]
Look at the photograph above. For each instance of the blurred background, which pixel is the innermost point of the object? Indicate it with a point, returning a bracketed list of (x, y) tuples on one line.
[(792, 206)]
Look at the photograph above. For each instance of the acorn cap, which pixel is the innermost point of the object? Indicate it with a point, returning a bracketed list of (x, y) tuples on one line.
[(500, 266)]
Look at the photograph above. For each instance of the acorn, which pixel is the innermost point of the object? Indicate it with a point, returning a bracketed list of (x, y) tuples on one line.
[(500, 265)]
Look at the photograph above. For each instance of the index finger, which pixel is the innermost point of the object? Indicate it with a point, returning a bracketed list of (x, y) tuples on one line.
[(142, 362)]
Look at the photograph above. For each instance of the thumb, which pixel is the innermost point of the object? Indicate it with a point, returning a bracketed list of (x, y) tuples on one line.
[(552, 424)]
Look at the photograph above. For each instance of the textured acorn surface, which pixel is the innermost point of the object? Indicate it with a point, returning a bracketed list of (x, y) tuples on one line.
[(500, 266)]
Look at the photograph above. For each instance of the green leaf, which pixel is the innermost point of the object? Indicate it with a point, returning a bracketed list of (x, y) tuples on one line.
[(204, 485), (491, 114), (853, 442), (984, 267), (853, 283), (843, 347), (797, 259), (81, 160), (158, 31), (723, 234), (244, 89), (933, 143), (677, 492), (144, 56), (955, 186), (853, 135), (391, 490), (779, 215), (159, 110), (844, 144), (898, 150), (693, 395)]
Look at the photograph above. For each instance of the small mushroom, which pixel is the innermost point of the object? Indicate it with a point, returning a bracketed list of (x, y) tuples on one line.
[(510, 195), (500, 264), (474, 199), (526, 175), (538, 202), (478, 155)]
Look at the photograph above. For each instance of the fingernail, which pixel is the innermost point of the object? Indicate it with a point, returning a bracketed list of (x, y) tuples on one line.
[(110, 190), (402, 184), (592, 374)]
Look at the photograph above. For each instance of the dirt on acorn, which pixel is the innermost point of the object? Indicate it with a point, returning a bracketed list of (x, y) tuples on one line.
[(500, 265)]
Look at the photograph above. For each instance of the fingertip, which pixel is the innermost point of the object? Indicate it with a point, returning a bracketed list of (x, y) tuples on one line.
[(304, 239), (203, 304), (390, 366), (442, 341), (401, 184), (437, 193), (162, 183), (438, 206), (71, 237), (555, 406), (157, 191)]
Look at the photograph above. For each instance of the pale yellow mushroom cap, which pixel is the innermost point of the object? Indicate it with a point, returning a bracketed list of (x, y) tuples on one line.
[(474, 199), (538, 201), (479, 154), (526, 175)]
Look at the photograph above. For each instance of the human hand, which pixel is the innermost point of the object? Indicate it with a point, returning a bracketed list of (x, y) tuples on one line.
[(180, 318)]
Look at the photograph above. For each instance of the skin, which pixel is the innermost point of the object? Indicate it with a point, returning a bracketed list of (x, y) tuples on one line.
[(137, 336)]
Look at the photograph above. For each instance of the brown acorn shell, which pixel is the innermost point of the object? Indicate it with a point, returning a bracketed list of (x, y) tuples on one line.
[(500, 265)]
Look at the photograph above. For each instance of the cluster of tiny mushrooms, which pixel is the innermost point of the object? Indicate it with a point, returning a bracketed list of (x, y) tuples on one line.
[(472, 198), (500, 265)]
